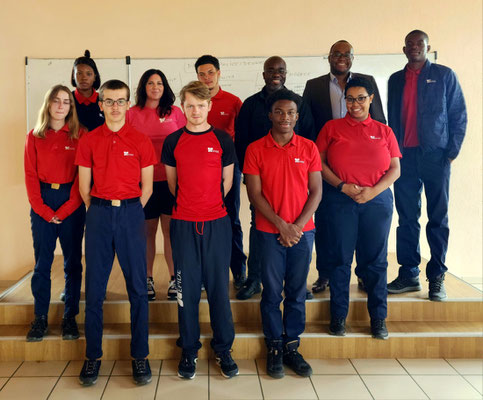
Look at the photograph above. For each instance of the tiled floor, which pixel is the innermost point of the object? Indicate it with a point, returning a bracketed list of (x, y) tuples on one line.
[(383, 379)]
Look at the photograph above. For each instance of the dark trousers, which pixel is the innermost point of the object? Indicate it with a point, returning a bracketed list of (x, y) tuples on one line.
[(284, 269), (254, 262), (232, 201), (201, 253), (116, 230), (45, 235), (433, 170), (363, 228)]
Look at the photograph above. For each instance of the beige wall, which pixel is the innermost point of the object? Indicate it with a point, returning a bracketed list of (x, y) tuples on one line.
[(235, 28)]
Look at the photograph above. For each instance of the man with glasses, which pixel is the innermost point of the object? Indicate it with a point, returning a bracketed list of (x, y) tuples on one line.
[(119, 161), (325, 97)]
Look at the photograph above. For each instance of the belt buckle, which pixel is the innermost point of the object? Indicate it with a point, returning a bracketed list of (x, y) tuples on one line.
[(116, 203), (55, 186)]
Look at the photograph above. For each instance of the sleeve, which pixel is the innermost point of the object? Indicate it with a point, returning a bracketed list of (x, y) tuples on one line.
[(129, 116), (148, 155), (376, 110), (457, 116), (167, 155), (228, 157), (305, 124), (392, 144), (323, 138), (73, 203), (83, 156), (32, 182), (242, 132), (251, 166), (315, 162)]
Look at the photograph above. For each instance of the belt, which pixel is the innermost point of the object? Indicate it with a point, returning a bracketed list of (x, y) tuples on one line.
[(55, 186), (113, 203)]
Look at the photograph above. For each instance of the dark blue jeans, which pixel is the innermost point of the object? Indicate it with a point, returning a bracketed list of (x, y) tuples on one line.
[(254, 262)]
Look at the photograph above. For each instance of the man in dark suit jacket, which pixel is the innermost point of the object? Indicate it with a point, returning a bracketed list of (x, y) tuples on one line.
[(325, 98)]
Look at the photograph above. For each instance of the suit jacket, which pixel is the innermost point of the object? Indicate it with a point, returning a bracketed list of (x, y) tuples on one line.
[(317, 97)]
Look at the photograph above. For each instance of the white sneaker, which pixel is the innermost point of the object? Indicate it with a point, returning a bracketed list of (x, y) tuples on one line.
[(172, 292), (151, 291)]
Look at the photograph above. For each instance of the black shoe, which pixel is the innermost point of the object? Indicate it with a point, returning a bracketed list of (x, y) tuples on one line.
[(275, 362), (293, 359), (309, 295), (248, 290), (378, 329), (402, 285), (437, 292), (90, 372), (70, 331), (337, 327), (151, 291), (361, 285), (320, 285), (229, 369), (172, 291), (141, 371), (62, 296), (187, 366), (38, 329), (239, 281)]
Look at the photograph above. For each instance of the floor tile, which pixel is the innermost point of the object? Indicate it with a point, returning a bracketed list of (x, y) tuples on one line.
[(3, 381), (124, 368), (444, 387), (476, 381), (289, 387), (41, 368), (170, 367), (345, 387), (332, 367), (7, 368), (68, 387), (74, 368), (393, 387), (124, 388), (174, 388), (36, 388), (467, 366), (378, 367), (430, 366), (245, 367), (242, 387)]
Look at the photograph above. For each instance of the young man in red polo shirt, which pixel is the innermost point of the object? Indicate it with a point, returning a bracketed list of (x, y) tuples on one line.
[(119, 161), (284, 183), (199, 164), (224, 110)]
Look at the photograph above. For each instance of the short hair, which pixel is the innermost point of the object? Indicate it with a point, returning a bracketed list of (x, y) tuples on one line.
[(418, 32), (207, 59), (359, 82), (282, 94), (197, 89), (167, 99), (86, 60), (113, 84), (340, 41)]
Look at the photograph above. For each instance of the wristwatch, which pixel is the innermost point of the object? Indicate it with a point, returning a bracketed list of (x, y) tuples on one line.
[(339, 186)]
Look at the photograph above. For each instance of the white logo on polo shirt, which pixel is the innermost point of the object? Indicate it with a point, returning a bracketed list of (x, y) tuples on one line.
[(374, 137), (223, 113), (299, 161), (212, 150), (69, 148), (127, 154)]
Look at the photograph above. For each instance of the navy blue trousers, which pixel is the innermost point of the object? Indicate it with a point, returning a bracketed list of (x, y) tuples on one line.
[(254, 262), (232, 201), (433, 170), (284, 269), (363, 228), (45, 235), (116, 230), (201, 253)]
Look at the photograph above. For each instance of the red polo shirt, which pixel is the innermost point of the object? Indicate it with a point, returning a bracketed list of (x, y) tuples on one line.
[(284, 172), (86, 100), (51, 160), (358, 152), (116, 159), (199, 159), (147, 121), (224, 110), (410, 107)]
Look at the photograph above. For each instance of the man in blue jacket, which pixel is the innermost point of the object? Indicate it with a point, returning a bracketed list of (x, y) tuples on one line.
[(427, 112)]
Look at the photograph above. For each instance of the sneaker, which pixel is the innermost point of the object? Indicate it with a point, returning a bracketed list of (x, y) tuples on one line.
[(70, 331), (38, 329), (203, 287), (309, 295), (239, 281), (378, 329), (337, 327), (172, 292), (437, 292), (229, 369), (361, 285), (320, 285), (141, 371), (151, 291), (402, 285), (62, 296), (187, 366), (90, 372), (275, 362), (249, 289), (293, 359)]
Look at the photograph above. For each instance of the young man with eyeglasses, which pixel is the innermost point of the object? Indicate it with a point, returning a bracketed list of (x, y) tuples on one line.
[(119, 161), (325, 97)]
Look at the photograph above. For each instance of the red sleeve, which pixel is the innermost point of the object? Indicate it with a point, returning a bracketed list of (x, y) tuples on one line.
[(32, 181), (392, 144), (83, 156), (73, 203), (322, 141), (315, 162), (250, 166), (237, 107), (148, 155)]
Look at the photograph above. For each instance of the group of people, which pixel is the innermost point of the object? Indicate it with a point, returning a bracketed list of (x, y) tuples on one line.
[(329, 152)]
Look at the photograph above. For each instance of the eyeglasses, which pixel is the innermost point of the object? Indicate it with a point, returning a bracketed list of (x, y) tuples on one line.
[(359, 99), (337, 54), (110, 102)]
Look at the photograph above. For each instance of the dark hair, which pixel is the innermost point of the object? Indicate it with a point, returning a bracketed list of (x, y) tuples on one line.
[(166, 100), (207, 59), (418, 32), (339, 41), (282, 94), (113, 84), (359, 82), (86, 60)]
